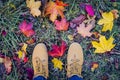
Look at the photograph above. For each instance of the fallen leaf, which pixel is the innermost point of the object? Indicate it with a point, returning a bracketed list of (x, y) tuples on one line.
[(107, 21), (61, 25), (57, 63), (103, 45), (8, 64), (94, 66), (55, 8), (78, 20), (96, 34), (89, 9), (25, 59), (70, 37), (22, 53), (57, 51), (26, 28), (115, 13), (84, 30), (24, 47), (34, 7), (30, 41), (60, 3)]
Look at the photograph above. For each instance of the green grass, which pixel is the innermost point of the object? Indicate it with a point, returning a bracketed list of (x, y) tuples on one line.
[(10, 18)]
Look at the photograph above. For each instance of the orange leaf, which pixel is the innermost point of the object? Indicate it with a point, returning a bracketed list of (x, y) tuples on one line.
[(61, 25), (58, 51), (94, 66), (60, 3), (84, 30), (26, 28), (53, 9)]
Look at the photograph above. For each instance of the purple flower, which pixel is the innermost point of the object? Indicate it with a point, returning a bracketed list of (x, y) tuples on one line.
[(89, 10)]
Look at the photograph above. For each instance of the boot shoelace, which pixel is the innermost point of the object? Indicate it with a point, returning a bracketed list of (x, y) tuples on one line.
[(75, 67), (40, 68)]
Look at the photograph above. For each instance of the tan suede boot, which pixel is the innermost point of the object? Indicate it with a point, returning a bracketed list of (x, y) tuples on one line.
[(74, 60), (40, 60)]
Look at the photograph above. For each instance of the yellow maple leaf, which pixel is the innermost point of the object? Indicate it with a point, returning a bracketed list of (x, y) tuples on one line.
[(103, 45), (107, 21), (24, 47), (53, 9), (34, 7), (57, 63)]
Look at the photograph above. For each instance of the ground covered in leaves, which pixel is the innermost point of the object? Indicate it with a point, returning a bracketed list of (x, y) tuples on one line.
[(94, 24)]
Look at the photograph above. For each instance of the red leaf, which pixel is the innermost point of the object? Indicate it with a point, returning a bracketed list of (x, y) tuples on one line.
[(26, 28), (61, 25), (25, 59), (58, 51)]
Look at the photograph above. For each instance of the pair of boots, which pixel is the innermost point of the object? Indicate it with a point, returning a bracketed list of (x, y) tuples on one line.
[(74, 60)]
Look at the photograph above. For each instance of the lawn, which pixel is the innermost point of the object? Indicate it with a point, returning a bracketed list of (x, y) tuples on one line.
[(13, 12)]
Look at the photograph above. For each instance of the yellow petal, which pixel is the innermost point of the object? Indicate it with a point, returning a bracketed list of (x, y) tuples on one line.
[(57, 63), (24, 47)]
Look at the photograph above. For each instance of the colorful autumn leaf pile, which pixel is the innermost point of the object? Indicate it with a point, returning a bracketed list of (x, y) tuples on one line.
[(83, 25)]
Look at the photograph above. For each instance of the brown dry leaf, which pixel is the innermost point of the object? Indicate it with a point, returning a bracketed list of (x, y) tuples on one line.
[(30, 41), (115, 13), (34, 7), (84, 29)]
